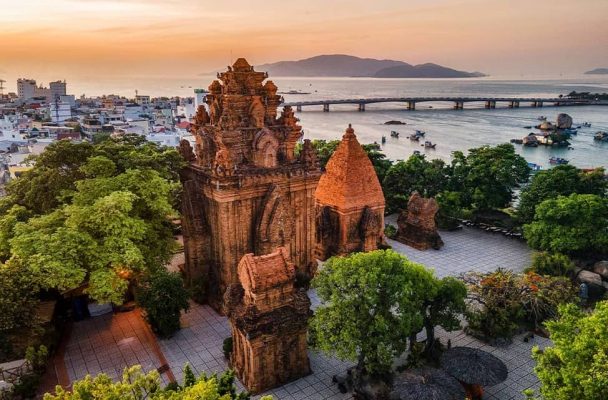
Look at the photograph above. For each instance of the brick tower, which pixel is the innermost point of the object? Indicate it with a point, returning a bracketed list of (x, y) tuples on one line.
[(245, 191), (349, 202), (269, 320)]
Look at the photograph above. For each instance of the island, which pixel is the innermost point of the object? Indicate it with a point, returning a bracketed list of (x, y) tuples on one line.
[(341, 65), (597, 71)]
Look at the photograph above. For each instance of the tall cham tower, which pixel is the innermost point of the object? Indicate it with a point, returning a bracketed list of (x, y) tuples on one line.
[(245, 191)]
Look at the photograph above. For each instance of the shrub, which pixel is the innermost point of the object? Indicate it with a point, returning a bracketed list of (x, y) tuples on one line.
[(199, 290), (390, 231), (503, 302), (556, 264), (163, 297)]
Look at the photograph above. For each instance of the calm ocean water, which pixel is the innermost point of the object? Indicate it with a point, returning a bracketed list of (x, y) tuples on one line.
[(451, 130)]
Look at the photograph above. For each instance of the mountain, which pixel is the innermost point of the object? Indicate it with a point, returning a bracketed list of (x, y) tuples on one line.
[(329, 65), (349, 66), (597, 71), (424, 71)]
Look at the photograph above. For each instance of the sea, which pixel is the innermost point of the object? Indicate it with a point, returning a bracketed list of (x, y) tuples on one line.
[(450, 129)]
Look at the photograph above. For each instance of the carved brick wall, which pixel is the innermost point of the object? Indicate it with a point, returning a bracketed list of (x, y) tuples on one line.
[(417, 226), (268, 318), (245, 191), (349, 202)]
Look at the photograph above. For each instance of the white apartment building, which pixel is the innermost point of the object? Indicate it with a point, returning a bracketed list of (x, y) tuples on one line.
[(60, 111), (26, 88)]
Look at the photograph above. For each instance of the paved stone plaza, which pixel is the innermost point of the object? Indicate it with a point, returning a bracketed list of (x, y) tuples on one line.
[(94, 348)]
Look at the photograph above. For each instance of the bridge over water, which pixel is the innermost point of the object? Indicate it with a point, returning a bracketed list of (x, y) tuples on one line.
[(410, 102)]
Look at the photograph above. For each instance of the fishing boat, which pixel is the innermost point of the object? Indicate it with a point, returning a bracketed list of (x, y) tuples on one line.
[(419, 133), (586, 125), (534, 167), (383, 139), (414, 138), (570, 131), (417, 152), (558, 161), (429, 145), (541, 118), (394, 134)]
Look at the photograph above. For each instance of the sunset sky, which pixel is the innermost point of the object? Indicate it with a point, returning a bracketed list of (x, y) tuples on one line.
[(71, 39)]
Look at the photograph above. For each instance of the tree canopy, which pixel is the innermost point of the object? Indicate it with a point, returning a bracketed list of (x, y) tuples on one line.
[(136, 385), (563, 180), (371, 304), (576, 224), (92, 213), (576, 366)]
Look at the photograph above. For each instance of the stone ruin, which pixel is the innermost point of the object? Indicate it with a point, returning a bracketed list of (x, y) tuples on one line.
[(349, 202), (244, 189), (416, 224), (269, 318)]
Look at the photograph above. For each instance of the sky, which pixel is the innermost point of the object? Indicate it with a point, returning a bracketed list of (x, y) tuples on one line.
[(88, 39)]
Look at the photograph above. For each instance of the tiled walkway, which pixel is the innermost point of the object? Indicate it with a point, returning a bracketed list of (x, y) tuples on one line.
[(110, 343)]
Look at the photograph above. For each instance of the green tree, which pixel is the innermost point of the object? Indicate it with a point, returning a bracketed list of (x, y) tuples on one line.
[(576, 366), (488, 175), (163, 297), (371, 303), (442, 307), (379, 161), (136, 385), (563, 180), (576, 224), (416, 174)]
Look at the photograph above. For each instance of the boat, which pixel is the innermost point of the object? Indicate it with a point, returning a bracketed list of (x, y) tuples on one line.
[(541, 118), (586, 125), (429, 145), (414, 138), (558, 161), (528, 127), (419, 133), (383, 139), (394, 134), (517, 141), (417, 152), (570, 131), (534, 167), (294, 92)]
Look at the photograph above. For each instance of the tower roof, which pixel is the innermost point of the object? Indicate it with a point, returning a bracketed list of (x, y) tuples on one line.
[(260, 273), (350, 180)]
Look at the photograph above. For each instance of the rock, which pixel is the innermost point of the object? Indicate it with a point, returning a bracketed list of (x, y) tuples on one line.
[(564, 121), (394, 122), (546, 126), (594, 283), (590, 278), (601, 268)]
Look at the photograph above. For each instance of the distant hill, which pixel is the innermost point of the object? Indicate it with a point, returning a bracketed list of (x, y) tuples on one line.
[(340, 65), (597, 71), (424, 71)]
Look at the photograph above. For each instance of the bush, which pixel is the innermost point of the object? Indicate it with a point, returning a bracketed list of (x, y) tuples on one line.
[(227, 347), (163, 297), (199, 290), (544, 263), (504, 302), (390, 231)]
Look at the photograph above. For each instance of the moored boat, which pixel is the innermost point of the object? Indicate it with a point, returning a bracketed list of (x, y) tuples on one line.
[(429, 145), (394, 134), (558, 161)]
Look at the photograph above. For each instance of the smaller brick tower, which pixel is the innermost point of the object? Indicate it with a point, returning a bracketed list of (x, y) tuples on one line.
[(349, 202), (269, 318)]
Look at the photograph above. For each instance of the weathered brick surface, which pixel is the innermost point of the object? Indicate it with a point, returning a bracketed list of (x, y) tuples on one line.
[(417, 226), (245, 191), (268, 317), (349, 202)]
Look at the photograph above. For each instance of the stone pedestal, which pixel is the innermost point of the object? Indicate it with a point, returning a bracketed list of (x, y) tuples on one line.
[(417, 226)]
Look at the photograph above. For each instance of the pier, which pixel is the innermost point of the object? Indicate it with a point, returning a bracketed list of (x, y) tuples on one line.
[(458, 102)]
